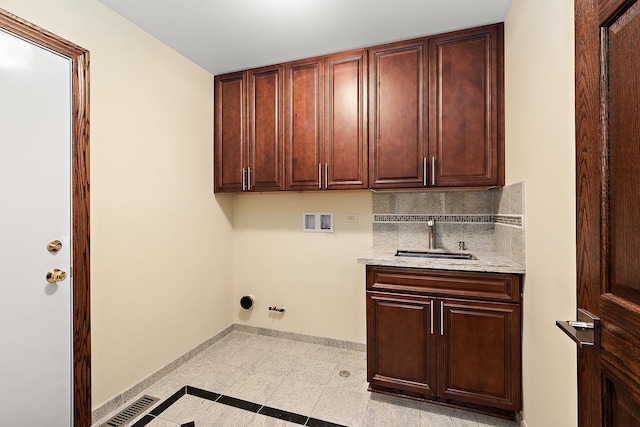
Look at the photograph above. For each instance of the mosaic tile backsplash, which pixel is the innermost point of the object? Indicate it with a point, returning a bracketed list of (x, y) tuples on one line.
[(490, 220)]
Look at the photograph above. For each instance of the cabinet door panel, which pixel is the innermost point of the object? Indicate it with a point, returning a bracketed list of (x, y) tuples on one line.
[(400, 343), (266, 131), (304, 132), (479, 353), (229, 132), (346, 143), (396, 116), (465, 86)]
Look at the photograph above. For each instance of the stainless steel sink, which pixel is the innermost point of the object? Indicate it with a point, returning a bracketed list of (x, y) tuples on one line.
[(436, 255)]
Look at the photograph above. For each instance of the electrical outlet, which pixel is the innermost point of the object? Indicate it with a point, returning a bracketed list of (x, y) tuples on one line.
[(351, 217)]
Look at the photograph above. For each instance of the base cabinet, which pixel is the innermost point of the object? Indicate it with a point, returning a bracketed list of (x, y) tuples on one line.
[(453, 337)]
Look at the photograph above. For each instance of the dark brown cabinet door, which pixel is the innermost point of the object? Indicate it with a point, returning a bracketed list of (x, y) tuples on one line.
[(266, 129), (230, 131), (400, 343), (479, 353), (397, 94), (465, 125), (304, 126), (345, 148)]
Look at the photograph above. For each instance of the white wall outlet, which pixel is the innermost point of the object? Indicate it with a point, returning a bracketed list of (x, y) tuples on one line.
[(317, 222), (351, 217)]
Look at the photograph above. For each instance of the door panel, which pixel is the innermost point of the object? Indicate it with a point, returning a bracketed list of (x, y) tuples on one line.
[(479, 360), (304, 128), (230, 132), (396, 117), (464, 92), (35, 316), (608, 151), (266, 130), (346, 143), (402, 345)]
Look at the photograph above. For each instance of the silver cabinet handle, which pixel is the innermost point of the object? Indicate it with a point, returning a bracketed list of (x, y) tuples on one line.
[(320, 176), (433, 170), (249, 179), (326, 175), (244, 182), (424, 171), (431, 304), (441, 317)]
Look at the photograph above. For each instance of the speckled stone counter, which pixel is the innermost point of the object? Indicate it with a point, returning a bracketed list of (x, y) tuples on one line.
[(486, 262)]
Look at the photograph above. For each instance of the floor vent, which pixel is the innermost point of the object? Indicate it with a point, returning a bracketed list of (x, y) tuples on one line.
[(131, 411)]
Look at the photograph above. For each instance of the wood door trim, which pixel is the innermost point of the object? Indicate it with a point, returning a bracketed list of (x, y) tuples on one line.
[(81, 328)]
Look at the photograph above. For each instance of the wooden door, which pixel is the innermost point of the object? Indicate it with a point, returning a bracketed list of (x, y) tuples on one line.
[(479, 353), (266, 129), (230, 133), (401, 343), (44, 185), (608, 190), (304, 125), (345, 148), (397, 96), (465, 126)]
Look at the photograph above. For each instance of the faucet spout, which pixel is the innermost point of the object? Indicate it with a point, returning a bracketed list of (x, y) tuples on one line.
[(431, 223)]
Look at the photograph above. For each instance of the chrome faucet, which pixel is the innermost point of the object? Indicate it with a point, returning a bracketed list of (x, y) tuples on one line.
[(431, 223)]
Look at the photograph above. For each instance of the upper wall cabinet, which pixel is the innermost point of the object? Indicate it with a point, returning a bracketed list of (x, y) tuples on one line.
[(436, 111), (249, 131), (435, 118), (325, 131), (466, 138)]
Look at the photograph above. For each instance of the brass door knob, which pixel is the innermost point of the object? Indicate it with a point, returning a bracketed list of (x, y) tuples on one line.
[(54, 246), (55, 275)]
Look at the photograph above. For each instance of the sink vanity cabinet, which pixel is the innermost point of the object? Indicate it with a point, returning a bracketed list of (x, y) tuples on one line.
[(447, 336)]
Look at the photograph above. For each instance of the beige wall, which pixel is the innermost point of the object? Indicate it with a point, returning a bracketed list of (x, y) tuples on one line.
[(313, 275), (540, 150), (163, 245), (160, 240)]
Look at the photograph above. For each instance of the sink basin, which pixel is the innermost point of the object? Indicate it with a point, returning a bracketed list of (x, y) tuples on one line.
[(435, 255)]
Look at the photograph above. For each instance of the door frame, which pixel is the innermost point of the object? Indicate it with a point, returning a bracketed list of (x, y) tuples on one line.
[(81, 328)]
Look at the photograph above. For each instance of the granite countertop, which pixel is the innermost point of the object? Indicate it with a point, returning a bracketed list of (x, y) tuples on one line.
[(485, 262)]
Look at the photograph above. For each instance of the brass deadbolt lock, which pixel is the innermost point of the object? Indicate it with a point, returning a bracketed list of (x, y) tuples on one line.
[(54, 246), (55, 275)]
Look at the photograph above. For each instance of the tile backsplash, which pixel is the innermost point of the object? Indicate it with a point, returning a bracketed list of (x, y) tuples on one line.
[(490, 220)]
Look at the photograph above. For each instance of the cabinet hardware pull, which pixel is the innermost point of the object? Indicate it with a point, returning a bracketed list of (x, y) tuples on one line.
[(424, 171), (320, 176), (244, 183), (433, 170), (431, 304), (249, 179), (441, 317), (326, 175)]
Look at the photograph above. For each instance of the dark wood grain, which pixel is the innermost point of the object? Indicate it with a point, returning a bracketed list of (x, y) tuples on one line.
[(588, 201), (477, 362), (402, 351), (230, 132), (81, 328), (397, 134), (480, 357), (304, 124), (345, 145), (608, 238), (465, 101), (266, 128)]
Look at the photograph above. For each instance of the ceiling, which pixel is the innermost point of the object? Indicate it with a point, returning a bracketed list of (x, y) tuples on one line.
[(230, 35)]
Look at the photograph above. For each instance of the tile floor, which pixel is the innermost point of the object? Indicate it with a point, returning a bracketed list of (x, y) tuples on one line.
[(291, 376)]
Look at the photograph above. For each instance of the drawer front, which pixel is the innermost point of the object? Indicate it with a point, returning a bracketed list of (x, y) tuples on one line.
[(482, 286)]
